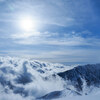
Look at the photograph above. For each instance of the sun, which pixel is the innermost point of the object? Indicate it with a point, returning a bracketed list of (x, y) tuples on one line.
[(26, 23)]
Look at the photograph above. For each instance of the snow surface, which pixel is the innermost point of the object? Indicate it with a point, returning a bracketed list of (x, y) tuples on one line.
[(90, 97), (28, 79)]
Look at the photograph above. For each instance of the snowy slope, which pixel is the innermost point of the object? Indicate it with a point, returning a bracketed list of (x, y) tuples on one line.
[(80, 75), (22, 78)]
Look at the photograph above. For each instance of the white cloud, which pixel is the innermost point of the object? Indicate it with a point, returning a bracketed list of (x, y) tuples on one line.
[(47, 38), (63, 13), (60, 55), (25, 35)]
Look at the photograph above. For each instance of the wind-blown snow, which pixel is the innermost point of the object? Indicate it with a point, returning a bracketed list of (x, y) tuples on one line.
[(28, 79)]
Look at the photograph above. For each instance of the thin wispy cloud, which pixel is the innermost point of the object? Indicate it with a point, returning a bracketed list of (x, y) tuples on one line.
[(66, 56), (51, 12), (57, 26), (47, 38)]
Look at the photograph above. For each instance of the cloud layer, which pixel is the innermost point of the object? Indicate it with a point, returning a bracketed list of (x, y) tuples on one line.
[(65, 30)]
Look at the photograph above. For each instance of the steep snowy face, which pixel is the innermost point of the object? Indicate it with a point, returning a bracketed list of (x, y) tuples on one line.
[(88, 75)]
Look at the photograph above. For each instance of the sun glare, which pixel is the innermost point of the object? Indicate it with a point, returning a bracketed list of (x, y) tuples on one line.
[(27, 24)]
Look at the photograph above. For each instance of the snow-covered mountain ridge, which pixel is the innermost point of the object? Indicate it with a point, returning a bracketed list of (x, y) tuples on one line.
[(31, 80), (89, 73)]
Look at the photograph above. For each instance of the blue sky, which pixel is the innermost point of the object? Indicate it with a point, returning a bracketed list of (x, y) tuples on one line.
[(64, 30)]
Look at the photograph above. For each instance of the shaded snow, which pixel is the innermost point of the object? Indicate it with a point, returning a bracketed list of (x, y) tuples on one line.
[(27, 79), (89, 97)]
